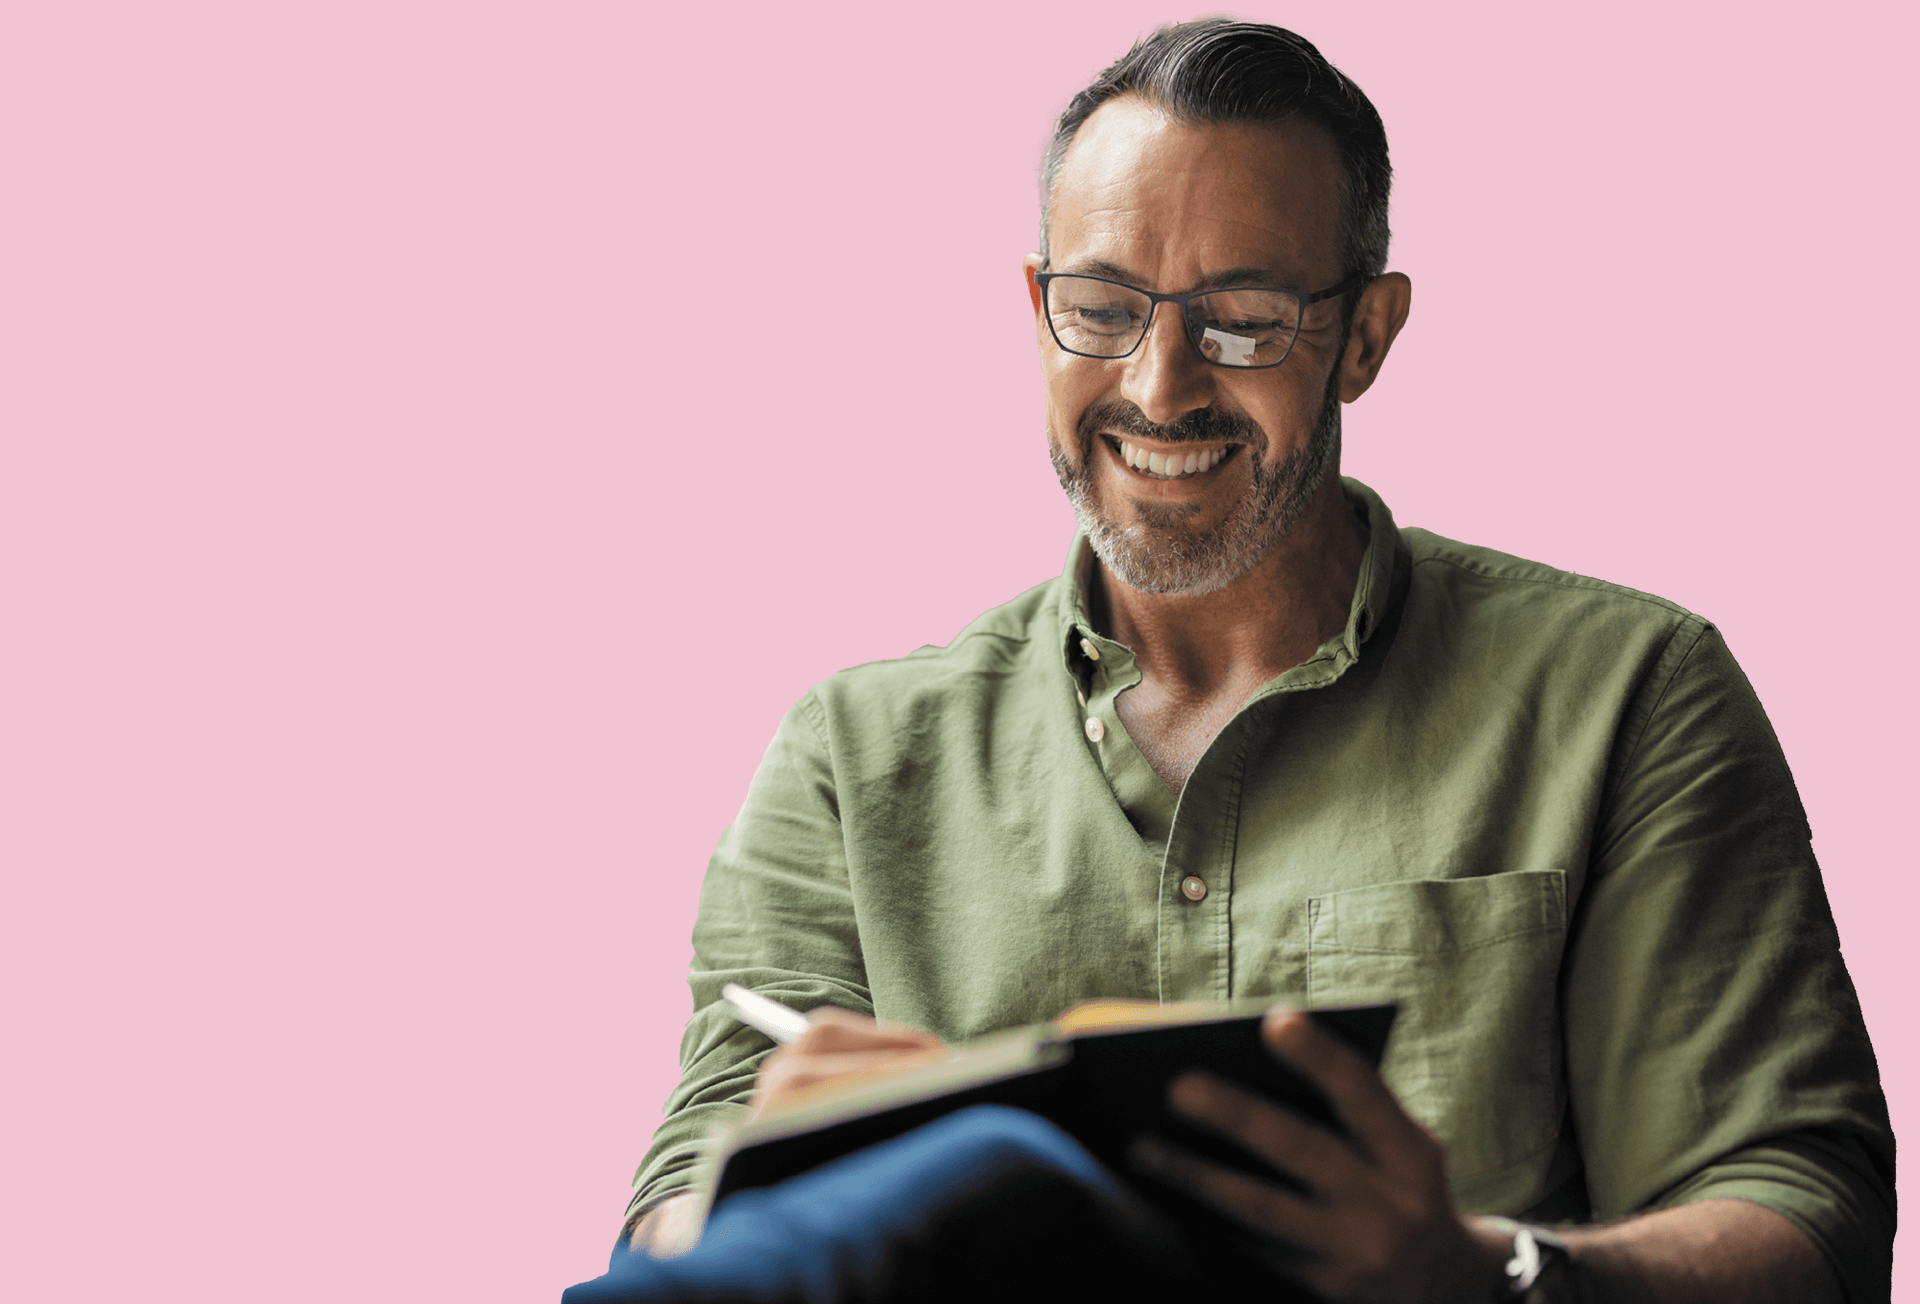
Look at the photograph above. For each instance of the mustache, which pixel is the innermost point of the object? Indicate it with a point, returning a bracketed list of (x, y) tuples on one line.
[(1205, 425)]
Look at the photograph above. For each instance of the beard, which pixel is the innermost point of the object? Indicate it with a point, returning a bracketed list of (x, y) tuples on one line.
[(1156, 553)]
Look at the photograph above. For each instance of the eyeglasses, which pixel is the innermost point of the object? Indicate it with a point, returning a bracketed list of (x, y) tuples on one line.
[(1252, 327)]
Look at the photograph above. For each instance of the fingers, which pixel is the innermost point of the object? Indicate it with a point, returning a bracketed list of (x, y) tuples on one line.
[(785, 1072), (1259, 1205), (830, 1029), (1284, 1139), (1359, 1098), (1377, 1219), (839, 1049)]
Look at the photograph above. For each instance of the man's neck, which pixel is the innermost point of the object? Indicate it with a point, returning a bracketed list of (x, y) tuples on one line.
[(1201, 658), (1269, 620)]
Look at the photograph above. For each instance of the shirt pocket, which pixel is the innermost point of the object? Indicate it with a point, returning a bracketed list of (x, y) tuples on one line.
[(1474, 964)]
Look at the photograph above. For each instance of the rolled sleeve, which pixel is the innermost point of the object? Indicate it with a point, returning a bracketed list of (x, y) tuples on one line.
[(1829, 1184)]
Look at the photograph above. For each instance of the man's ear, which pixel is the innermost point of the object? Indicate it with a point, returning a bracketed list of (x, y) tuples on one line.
[(1377, 320), (1033, 263)]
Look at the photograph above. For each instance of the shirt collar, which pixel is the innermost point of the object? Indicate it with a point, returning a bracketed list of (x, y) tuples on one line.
[(1080, 644)]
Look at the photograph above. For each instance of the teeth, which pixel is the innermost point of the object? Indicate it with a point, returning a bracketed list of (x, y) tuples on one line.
[(1170, 466)]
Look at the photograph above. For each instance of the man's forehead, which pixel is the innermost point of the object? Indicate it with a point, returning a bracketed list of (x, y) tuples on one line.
[(1139, 183)]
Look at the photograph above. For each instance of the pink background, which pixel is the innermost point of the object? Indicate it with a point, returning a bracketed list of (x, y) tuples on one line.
[(399, 589)]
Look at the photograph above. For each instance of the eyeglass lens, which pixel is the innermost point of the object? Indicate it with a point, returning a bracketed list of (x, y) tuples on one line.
[(1235, 328)]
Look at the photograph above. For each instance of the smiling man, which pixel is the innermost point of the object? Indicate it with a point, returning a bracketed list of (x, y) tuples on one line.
[(1259, 741)]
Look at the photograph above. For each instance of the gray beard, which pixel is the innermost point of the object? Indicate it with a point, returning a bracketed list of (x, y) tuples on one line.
[(1157, 555)]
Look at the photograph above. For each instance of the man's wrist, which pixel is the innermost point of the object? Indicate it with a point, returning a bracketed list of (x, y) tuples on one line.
[(669, 1228), (1481, 1279), (1538, 1268)]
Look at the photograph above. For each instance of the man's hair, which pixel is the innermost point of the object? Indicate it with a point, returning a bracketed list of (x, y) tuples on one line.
[(1216, 70)]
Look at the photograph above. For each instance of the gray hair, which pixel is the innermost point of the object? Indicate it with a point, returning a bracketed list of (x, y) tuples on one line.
[(1217, 70)]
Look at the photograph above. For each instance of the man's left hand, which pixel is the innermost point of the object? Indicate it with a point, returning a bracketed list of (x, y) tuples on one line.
[(1378, 1223)]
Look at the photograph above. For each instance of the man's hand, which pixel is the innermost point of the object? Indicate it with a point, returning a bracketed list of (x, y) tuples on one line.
[(1379, 1222), (838, 1049)]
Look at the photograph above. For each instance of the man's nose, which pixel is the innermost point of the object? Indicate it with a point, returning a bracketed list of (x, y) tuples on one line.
[(1165, 378)]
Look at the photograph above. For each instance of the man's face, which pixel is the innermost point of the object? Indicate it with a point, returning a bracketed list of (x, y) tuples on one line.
[(1174, 207)]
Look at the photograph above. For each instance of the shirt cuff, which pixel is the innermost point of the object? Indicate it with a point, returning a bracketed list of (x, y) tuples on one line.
[(1827, 1184), (674, 1160)]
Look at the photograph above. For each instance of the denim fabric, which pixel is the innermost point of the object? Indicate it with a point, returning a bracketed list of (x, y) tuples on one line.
[(986, 1204)]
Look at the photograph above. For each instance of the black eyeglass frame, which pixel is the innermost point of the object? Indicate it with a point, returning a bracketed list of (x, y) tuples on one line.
[(1154, 300)]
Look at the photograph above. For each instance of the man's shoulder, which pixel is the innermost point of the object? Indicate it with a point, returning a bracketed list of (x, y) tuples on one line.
[(1471, 575), (995, 646)]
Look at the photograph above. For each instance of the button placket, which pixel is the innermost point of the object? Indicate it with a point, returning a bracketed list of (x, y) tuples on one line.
[(1094, 727), (1197, 883)]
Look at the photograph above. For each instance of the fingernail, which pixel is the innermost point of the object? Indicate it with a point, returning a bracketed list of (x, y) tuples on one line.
[(1280, 1016)]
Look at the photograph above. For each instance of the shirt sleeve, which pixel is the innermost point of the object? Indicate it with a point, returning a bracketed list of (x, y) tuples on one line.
[(776, 915), (1715, 1047)]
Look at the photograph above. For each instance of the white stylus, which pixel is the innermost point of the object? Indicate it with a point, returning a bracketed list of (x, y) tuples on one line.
[(783, 1023)]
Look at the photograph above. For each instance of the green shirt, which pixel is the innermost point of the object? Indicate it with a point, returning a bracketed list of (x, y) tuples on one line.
[(1544, 813)]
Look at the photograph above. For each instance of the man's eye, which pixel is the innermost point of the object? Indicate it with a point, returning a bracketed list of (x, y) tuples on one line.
[(1106, 321)]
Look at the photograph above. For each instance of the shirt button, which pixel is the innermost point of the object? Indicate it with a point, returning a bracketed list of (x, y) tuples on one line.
[(1192, 887), (1095, 730), (1093, 653), (1080, 697)]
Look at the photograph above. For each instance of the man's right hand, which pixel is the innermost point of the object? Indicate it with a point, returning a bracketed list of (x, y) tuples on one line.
[(839, 1048)]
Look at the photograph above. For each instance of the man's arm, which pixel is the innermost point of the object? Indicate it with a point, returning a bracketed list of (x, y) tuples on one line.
[(1714, 1044), (1713, 1250), (776, 915), (1378, 1223)]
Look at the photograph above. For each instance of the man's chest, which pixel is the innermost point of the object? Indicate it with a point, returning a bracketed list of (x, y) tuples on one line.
[(1173, 732), (1020, 876), (1326, 870)]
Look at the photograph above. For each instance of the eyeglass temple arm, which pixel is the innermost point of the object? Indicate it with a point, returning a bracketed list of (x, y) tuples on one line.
[(1353, 282)]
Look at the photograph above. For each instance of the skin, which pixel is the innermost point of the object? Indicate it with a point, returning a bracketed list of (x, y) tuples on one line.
[(1172, 205)]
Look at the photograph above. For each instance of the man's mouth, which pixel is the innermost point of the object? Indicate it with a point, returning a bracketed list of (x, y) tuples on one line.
[(1176, 465)]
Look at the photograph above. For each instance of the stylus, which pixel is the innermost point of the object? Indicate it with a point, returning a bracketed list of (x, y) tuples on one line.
[(780, 1022)]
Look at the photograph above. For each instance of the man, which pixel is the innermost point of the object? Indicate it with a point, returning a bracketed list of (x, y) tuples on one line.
[(1258, 740)]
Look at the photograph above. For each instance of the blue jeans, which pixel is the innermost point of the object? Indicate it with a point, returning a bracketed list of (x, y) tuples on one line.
[(989, 1204)]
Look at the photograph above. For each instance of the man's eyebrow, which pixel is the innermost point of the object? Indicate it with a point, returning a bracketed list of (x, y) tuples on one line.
[(1096, 267), (1232, 276), (1243, 276)]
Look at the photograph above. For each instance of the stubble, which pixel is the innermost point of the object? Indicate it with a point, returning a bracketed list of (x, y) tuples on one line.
[(1157, 553)]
